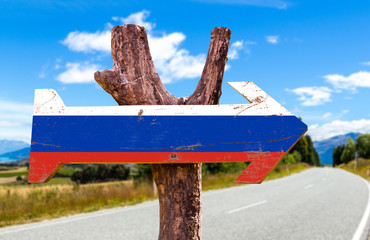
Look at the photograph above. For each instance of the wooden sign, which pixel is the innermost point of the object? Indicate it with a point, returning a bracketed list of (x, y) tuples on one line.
[(261, 132)]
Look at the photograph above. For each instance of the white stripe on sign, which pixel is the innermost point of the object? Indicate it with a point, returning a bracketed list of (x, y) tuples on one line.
[(49, 103), (248, 206)]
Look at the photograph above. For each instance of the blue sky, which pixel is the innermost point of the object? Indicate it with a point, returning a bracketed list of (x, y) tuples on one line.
[(311, 56)]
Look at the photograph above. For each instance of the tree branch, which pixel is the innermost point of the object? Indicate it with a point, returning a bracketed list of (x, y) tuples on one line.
[(208, 91), (133, 79)]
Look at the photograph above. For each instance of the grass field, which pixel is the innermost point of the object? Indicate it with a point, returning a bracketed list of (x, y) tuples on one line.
[(59, 197), (7, 168), (4, 180), (13, 172), (31, 203), (362, 168), (9, 174), (218, 181)]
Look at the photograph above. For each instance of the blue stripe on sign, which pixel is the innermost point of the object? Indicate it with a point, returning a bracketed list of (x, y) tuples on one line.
[(165, 133)]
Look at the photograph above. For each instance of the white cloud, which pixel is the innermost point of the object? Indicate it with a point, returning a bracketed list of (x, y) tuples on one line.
[(234, 49), (42, 74), (166, 46), (138, 19), (14, 107), (78, 73), (345, 111), (338, 127), (181, 65), (10, 124), (171, 61), (15, 120), (88, 42), (101, 40), (366, 63), (312, 96), (341, 114), (319, 117), (19, 133), (273, 39), (57, 64), (353, 81)]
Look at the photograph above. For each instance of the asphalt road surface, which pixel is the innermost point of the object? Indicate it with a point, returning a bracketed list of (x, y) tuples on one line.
[(320, 203)]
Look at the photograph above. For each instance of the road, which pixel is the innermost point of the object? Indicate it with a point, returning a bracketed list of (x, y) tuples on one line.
[(320, 203)]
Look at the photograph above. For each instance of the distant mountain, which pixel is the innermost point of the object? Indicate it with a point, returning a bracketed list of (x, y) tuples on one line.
[(11, 146), (16, 155), (325, 147), (23, 161)]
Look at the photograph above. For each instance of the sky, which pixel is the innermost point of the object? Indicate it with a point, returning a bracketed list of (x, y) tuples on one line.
[(312, 56)]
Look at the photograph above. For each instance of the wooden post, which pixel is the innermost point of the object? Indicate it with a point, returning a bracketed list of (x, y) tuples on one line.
[(133, 80)]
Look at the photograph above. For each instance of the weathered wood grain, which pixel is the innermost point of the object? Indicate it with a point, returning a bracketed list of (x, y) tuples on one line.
[(133, 80)]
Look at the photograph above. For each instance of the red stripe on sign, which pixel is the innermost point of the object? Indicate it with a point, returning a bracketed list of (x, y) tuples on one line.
[(258, 169), (43, 165)]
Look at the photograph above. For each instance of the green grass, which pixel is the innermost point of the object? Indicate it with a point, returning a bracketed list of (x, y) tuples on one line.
[(58, 181), (362, 168), (12, 171), (7, 168), (66, 171), (55, 181), (13, 174), (225, 180), (62, 178), (28, 203), (286, 170)]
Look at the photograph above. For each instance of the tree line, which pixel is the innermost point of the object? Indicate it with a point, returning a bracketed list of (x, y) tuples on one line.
[(101, 173), (303, 151), (346, 152)]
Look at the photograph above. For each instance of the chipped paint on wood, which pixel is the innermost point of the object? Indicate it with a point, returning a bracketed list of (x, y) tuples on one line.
[(48, 102), (261, 132)]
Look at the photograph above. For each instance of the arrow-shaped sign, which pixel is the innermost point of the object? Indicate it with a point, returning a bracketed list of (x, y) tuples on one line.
[(261, 133)]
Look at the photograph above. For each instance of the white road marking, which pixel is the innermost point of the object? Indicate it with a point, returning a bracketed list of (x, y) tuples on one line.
[(248, 206), (362, 225), (74, 218), (308, 186)]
